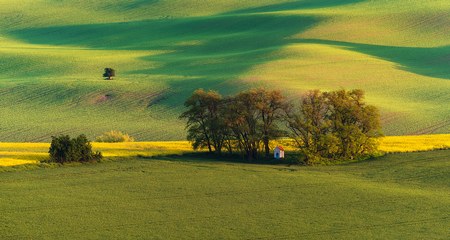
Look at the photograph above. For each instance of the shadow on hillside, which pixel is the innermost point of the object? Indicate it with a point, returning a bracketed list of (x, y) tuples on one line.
[(213, 52), (201, 51), (298, 5)]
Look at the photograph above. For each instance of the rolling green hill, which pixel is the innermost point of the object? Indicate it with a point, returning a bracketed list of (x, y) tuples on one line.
[(398, 196), (52, 55)]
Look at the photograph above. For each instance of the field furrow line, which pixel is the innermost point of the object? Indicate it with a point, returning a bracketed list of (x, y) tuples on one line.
[(432, 128), (333, 232)]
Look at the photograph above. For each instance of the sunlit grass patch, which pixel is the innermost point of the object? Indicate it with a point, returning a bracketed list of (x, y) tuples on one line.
[(408, 99)]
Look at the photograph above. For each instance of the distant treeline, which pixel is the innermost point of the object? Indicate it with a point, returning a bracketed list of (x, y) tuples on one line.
[(336, 125)]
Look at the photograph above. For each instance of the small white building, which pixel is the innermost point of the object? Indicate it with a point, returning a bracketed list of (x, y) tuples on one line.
[(278, 153)]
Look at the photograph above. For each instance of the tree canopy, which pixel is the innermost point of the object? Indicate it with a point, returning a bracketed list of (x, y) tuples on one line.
[(109, 73), (64, 149), (334, 125), (204, 122), (243, 122)]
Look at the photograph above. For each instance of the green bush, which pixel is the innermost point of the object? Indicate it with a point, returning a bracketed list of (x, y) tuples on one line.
[(63, 149), (114, 136)]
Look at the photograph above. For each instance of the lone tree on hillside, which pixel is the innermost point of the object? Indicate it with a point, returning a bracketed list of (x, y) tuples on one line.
[(109, 73)]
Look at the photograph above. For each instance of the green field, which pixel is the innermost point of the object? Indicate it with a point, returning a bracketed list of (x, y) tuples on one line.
[(398, 196), (52, 55)]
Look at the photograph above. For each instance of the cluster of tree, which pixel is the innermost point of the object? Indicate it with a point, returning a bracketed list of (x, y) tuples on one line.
[(245, 122), (64, 149), (329, 125)]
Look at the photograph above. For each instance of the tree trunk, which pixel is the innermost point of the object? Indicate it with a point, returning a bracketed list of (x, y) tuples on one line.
[(254, 154), (218, 149), (266, 146), (209, 147), (208, 142)]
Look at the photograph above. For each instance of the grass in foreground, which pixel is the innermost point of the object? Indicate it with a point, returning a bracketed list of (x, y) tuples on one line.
[(395, 197)]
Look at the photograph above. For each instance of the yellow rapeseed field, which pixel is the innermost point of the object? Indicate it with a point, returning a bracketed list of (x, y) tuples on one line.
[(12, 154), (414, 143), (6, 162)]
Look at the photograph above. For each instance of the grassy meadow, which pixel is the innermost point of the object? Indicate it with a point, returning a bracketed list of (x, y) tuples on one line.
[(52, 55), (398, 196)]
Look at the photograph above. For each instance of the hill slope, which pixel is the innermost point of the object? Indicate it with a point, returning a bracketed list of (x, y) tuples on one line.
[(52, 54), (399, 196)]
